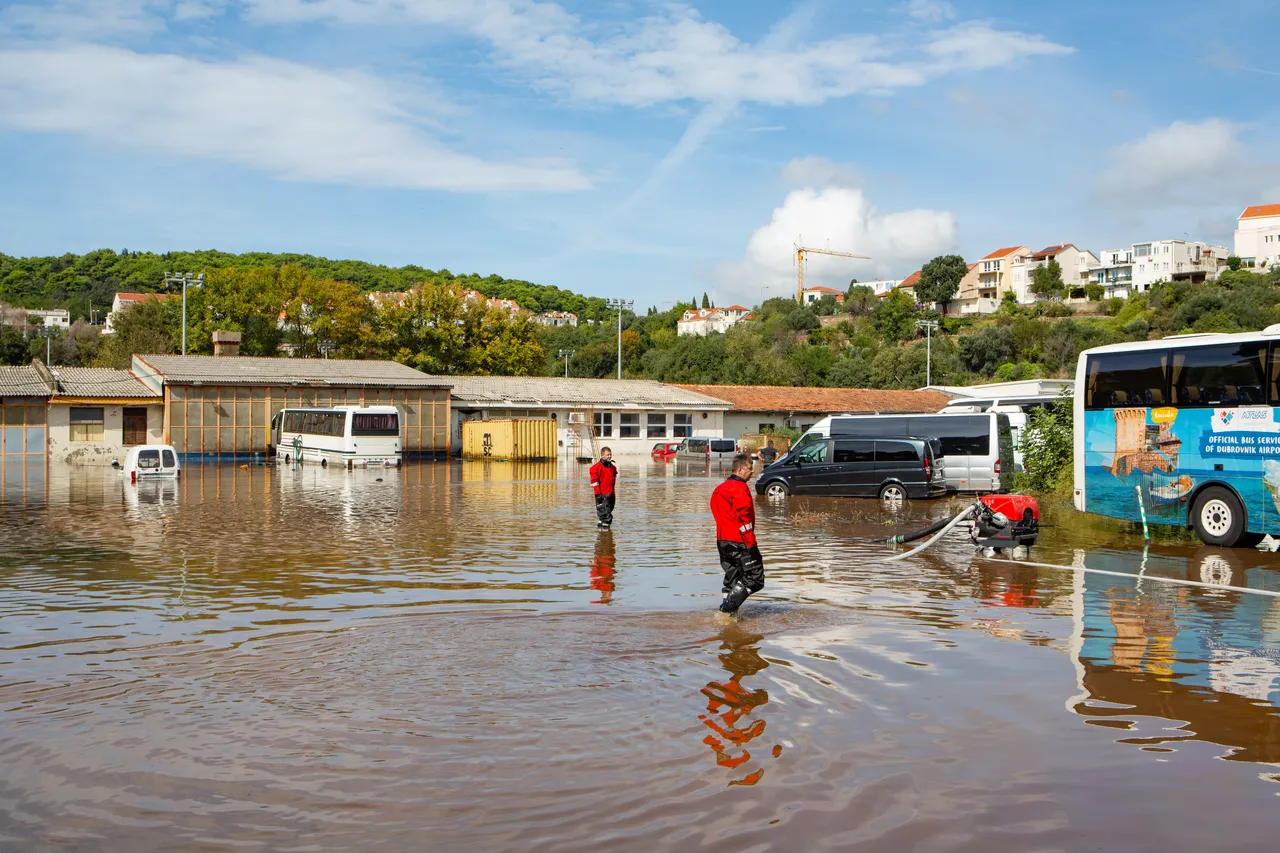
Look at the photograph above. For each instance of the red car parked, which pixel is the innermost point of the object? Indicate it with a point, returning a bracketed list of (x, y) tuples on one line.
[(665, 450)]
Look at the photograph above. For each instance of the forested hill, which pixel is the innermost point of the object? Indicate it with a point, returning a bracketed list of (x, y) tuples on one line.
[(73, 281)]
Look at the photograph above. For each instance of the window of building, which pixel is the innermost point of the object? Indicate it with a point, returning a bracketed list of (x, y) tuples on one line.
[(604, 425), (135, 425), (683, 427), (629, 425), (86, 423), (657, 425), (767, 428)]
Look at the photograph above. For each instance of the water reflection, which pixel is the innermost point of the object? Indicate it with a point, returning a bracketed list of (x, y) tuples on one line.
[(604, 565), (732, 709)]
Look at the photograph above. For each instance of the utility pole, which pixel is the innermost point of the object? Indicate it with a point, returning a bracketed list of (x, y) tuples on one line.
[(46, 332), (565, 353), (183, 278), (621, 305), (928, 326)]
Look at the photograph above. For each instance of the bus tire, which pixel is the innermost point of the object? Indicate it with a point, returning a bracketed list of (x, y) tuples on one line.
[(324, 463), (1219, 518)]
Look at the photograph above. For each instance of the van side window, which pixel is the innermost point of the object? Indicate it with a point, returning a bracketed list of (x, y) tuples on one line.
[(963, 436), (816, 452), (169, 460), (896, 451), (849, 450)]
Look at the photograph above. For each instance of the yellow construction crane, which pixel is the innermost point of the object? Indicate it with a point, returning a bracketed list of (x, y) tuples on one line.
[(800, 252)]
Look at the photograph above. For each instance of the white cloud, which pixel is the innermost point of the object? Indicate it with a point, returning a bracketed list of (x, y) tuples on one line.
[(677, 54), (291, 120), (930, 10), (1188, 163), (844, 220), (819, 172)]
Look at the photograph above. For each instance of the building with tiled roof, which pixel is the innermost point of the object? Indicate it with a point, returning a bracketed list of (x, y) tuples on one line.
[(1136, 268), (1075, 264), (768, 408), (627, 415), (702, 322), (812, 294), (996, 273), (968, 299), (1257, 238), (558, 318)]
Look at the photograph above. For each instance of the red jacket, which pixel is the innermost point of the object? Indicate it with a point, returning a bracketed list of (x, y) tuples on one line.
[(734, 509), (603, 476)]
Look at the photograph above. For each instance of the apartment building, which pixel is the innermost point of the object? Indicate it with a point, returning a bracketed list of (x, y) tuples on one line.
[(704, 322), (558, 318), (996, 272), (1136, 268), (1075, 264), (1257, 238)]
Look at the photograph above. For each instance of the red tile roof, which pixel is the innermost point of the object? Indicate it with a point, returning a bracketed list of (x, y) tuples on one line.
[(825, 401), (1051, 250), (820, 289), (1000, 253), (1259, 210), (735, 308), (911, 280), (141, 297)]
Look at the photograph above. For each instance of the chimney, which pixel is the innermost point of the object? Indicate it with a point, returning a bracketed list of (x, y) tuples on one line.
[(226, 343)]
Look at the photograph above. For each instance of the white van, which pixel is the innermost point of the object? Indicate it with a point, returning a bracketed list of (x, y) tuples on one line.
[(977, 449), (150, 462)]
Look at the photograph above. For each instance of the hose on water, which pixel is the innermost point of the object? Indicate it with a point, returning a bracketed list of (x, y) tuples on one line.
[(904, 538), (941, 532)]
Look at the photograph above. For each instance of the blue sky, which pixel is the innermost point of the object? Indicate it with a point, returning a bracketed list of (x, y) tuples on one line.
[(629, 148)]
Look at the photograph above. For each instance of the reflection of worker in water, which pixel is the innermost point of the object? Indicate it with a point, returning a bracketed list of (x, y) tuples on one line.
[(603, 567), (730, 706)]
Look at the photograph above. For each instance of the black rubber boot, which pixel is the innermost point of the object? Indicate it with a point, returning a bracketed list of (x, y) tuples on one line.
[(733, 598)]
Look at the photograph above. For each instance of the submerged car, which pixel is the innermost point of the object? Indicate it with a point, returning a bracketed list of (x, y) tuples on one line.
[(665, 450), (890, 469)]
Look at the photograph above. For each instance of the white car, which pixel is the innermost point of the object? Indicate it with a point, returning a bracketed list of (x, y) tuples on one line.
[(151, 461)]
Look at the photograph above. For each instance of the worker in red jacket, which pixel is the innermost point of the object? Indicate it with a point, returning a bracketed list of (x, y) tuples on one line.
[(604, 477), (734, 509)]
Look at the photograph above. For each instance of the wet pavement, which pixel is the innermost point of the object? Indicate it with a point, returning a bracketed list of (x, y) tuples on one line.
[(451, 657)]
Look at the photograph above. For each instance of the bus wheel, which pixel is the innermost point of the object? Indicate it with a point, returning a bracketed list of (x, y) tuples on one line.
[(286, 459), (324, 463), (1218, 517)]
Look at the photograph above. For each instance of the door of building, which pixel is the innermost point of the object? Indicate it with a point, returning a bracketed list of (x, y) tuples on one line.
[(135, 425)]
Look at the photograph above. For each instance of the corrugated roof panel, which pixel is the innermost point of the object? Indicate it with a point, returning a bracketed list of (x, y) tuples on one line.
[(24, 381), (554, 391), (775, 398), (100, 382), (250, 370)]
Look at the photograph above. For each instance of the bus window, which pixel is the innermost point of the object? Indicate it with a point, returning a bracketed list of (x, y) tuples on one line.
[(1227, 375), (1126, 379), (375, 424)]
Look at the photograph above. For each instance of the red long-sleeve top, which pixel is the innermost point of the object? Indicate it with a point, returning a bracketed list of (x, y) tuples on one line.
[(734, 509), (603, 476)]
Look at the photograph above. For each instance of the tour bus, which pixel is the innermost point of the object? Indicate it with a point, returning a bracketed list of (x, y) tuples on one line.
[(343, 435), (1182, 429), (977, 449)]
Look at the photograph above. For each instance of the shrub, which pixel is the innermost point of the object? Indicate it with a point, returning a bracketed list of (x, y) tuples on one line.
[(1111, 307), (1047, 449), (1094, 292)]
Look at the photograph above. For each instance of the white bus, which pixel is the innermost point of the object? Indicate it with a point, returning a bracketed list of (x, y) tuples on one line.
[(1185, 430), (343, 435)]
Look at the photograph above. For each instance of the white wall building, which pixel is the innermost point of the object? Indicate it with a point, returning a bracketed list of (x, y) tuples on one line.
[(124, 300), (996, 272), (812, 294), (1135, 269), (558, 318), (1075, 264), (1258, 235), (59, 318), (704, 322), (880, 287), (627, 415)]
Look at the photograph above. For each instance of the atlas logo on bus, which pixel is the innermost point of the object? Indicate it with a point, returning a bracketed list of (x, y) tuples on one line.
[(1245, 419)]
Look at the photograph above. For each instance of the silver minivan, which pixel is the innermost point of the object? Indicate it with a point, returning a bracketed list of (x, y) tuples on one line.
[(707, 448), (977, 449)]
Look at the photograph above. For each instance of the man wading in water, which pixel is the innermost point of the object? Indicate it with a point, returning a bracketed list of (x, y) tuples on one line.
[(734, 509), (603, 477)]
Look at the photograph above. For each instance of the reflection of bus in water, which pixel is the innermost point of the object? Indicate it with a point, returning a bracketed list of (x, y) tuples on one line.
[(1184, 428), (1206, 659), (350, 436)]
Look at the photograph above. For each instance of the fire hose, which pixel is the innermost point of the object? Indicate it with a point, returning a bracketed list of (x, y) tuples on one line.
[(986, 523)]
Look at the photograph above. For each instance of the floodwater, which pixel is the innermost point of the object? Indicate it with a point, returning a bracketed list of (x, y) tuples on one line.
[(450, 657)]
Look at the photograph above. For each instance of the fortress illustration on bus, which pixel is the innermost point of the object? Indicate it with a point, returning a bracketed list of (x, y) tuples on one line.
[(1185, 430), (349, 436)]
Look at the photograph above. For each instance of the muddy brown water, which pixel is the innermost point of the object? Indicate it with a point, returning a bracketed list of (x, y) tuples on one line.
[(452, 658)]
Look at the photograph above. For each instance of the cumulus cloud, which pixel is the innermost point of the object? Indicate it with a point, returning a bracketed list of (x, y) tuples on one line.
[(1187, 163), (820, 172), (291, 120), (676, 54), (842, 219)]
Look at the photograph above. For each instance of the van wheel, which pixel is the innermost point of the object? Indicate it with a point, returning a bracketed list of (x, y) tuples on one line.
[(1218, 517), (324, 463), (893, 494), (777, 489)]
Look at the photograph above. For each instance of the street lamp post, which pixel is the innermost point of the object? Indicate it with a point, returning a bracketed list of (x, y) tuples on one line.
[(928, 326), (565, 353), (621, 305), (46, 332), (183, 278)]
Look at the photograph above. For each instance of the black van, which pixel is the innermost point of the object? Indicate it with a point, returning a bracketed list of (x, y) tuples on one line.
[(888, 468)]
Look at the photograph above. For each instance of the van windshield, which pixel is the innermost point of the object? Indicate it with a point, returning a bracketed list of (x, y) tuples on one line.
[(723, 446)]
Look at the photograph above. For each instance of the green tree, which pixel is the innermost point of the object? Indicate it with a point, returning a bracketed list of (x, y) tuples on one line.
[(984, 352), (1046, 281), (706, 303), (151, 327), (940, 279), (1094, 292), (895, 317), (860, 301), (1233, 262), (1047, 449)]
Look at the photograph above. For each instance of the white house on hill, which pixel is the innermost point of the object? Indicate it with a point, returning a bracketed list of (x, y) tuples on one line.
[(1258, 235), (704, 322)]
